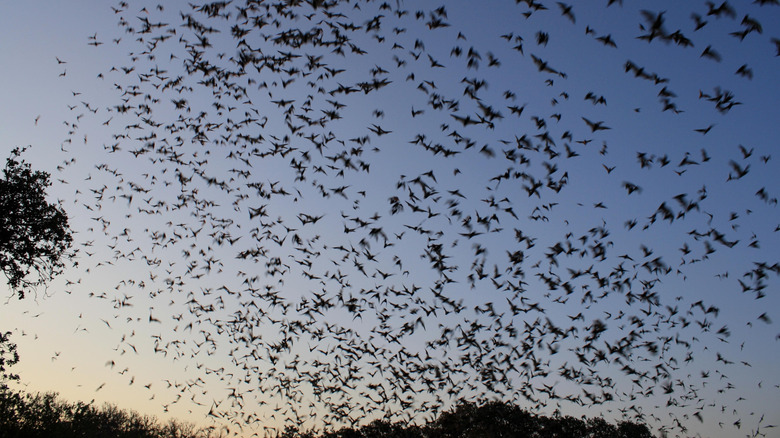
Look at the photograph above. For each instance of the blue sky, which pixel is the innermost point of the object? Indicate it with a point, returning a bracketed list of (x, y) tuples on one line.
[(161, 308)]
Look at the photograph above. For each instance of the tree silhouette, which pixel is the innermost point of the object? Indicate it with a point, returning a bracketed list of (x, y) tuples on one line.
[(27, 415), (34, 239), (8, 358), (46, 414), (34, 234), (489, 420)]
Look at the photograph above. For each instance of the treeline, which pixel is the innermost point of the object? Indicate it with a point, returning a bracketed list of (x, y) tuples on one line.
[(45, 415), (490, 420), (26, 415)]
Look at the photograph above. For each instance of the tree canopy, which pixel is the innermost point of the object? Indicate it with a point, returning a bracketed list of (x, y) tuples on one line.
[(491, 419), (46, 414), (30, 415), (34, 233)]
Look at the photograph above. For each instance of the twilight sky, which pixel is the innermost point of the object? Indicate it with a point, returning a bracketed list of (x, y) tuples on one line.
[(304, 214)]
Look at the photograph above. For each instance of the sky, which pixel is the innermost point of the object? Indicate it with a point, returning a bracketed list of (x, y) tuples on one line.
[(466, 201)]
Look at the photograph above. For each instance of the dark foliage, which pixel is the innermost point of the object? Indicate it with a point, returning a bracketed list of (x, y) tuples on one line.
[(34, 234), (24, 415), (8, 358), (45, 415), (490, 420), (34, 239)]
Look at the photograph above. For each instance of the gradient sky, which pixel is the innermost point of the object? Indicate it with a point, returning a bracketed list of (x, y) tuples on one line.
[(78, 337)]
